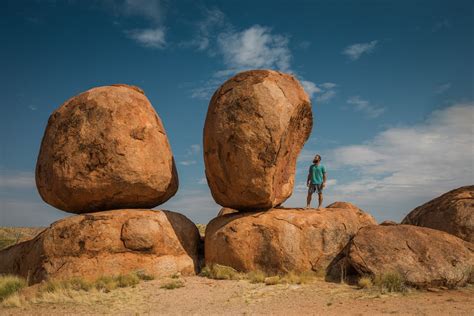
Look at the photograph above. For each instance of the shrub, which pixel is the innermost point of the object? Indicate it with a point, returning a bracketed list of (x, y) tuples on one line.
[(126, 280), (106, 284), (220, 272), (391, 282), (272, 280), (256, 276), (365, 282), (142, 275), (9, 285), (172, 285)]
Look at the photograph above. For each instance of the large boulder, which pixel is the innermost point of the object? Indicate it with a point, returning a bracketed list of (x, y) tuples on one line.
[(452, 212), (256, 126), (423, 257), (105, 149), (107, 243), (281, 240)]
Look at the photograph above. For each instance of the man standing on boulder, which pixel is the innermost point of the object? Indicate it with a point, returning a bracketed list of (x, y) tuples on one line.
[(316, 180)]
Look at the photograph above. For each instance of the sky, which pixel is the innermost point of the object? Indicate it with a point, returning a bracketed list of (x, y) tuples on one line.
[(391, 84)]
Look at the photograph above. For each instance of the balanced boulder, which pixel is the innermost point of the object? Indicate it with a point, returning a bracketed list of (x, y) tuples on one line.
[(107, 243), (452, 212), (281, 240), (256, 126), (105, 149), (422, 257)]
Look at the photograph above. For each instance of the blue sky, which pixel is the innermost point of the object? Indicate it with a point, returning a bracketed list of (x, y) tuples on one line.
[(391, 84)]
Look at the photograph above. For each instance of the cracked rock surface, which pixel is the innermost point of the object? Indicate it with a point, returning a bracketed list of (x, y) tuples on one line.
[(423, 257), (115, 242), (106, 149), (452, 212), (256, 125), (282, 240)]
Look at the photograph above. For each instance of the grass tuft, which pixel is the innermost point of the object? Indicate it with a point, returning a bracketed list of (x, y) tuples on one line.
[(273, 280), (9, 285), (391, 282), (175, 284), (220, 272), (365, 282), (256, 276)]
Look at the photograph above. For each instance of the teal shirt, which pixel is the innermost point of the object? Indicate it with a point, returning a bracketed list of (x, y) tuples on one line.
[(316, 173)]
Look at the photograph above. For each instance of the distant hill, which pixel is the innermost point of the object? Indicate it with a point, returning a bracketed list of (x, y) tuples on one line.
[(13, 235)]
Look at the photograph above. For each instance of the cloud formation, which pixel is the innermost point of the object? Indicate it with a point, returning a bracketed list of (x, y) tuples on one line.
[(364, 106), (255, 47), (355, 51), (154, 38)]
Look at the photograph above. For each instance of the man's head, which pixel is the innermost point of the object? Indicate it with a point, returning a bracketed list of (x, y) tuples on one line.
[(317, 159)]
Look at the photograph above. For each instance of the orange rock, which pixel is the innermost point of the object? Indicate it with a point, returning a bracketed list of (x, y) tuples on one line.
[(342, 205), (281, 240), (452, 212), (105, 149), (225, 211), (114, 242), (256, 126), (424, 257)]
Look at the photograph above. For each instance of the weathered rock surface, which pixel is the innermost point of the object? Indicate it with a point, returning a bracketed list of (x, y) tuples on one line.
[(105, 149), (452, 212), (342, 205), (107, 243), (281, 240), (423, 256), (256, 126)]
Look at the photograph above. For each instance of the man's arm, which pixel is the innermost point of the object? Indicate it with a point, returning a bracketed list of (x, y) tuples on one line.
[(324, 179), (308, 180)]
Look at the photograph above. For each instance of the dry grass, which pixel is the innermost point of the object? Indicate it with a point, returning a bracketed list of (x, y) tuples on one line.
[(175, 284), (202, 229), (74, 290), (391, 282), (9, 285), (256, 276), (365, 282), (221, 272)]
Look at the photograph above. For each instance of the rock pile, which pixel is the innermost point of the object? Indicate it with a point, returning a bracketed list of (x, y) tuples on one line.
[(452, 212), (106, 151)]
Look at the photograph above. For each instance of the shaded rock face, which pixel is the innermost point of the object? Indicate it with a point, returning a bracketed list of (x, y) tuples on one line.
[(256, 126), (424, 257), (452, 212), (105, 149), (107, 243), (281, 240)]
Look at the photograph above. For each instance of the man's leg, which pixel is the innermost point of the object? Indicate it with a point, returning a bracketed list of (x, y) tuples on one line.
[(308, 199), (320, 196)]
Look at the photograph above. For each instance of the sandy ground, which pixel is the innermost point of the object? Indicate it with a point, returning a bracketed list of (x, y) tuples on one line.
[(202, 296)]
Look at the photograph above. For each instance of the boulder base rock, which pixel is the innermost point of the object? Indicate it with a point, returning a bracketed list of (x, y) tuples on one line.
[(424, 257), (107, 243), (105, 149), (342, 205), (256, 126), (281, 240), (452, 212)]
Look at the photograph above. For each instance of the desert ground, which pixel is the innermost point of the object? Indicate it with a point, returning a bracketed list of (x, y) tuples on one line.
[(203, 296), (199, 295)]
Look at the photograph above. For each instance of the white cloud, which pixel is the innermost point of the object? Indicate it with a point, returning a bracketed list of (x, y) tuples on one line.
[(188, 162), (17, 180), (154, 38), (364, 106), (443, 88), (203, 180), (443, 24), (195, 148), (407, 164), (255, 47), (310, 87), (32, 107), (355, 51), (324, 92)]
